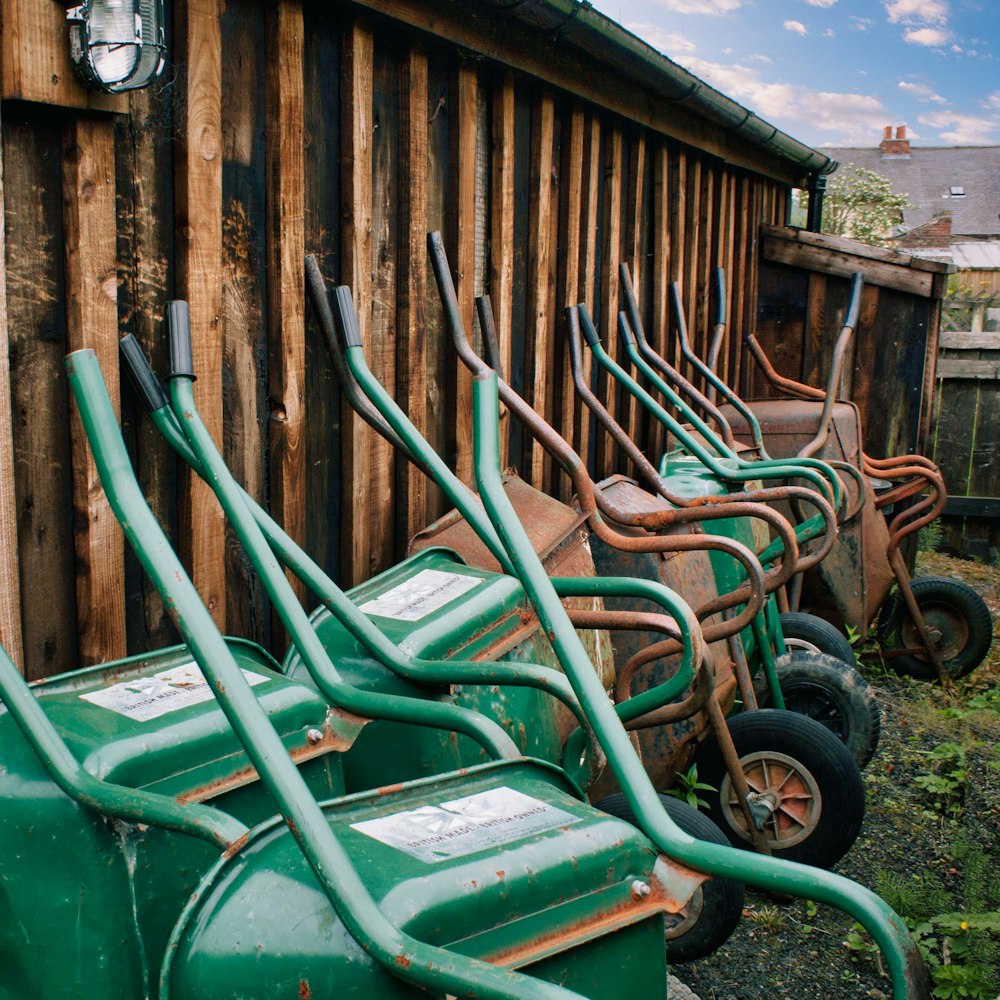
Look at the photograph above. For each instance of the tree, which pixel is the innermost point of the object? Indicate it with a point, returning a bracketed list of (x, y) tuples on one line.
[(862, 205)]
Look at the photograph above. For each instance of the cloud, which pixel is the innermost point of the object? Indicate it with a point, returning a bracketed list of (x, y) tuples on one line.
[(668, 42), (931, 37), (821, 3), (761, 58), (860, 23), (993, 101), (797, 26), (829, 33), (710, 7), (843, 119), (962, 129), (916, 11), (921, 92)]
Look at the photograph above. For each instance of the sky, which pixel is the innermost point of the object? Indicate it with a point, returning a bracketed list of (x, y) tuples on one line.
[(836, 72)]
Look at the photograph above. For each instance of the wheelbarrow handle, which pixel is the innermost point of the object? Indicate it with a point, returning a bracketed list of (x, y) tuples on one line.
[(179, 327), (720, 296), (144, 381)]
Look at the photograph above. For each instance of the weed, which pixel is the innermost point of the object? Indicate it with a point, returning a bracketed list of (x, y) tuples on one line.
[(688, 786), (767, 917), (946, 781)]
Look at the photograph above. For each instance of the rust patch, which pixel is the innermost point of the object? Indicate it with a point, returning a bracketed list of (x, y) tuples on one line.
[(236, 846), (305, 993), (389, 789), (403, 961)]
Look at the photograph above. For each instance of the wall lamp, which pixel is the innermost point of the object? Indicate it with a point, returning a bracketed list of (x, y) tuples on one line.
[(117, 45)]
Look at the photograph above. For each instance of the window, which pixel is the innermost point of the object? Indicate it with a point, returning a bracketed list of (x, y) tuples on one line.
[(956, 192)]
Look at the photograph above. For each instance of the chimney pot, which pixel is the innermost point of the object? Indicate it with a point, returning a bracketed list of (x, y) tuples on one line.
[(901, 132), (887, 132)]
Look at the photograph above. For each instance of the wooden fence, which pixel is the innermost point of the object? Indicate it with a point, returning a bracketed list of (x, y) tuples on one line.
[(966, 440), (890, 367), (349, 132)]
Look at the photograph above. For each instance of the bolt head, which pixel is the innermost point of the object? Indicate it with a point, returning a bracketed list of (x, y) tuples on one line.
[(640, 889), (314, 735)]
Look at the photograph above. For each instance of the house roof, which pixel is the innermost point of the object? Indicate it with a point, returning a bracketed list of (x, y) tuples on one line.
[(976, 256), (929, 175)]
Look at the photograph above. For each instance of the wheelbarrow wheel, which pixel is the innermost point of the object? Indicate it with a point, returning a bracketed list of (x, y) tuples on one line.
[(957, 618), (809, 633), (804, 781), (713, 912), (834, 694)]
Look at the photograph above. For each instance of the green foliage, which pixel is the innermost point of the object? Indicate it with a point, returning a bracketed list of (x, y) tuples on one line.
[(960, 948), (929, 537), (688, 786), (946, 780), (861, 204)]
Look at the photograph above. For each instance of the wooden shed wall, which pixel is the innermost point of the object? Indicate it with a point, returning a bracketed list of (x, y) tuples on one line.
[(287, 129)]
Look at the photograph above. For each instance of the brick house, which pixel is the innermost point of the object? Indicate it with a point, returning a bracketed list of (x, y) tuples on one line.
[(954, 190)]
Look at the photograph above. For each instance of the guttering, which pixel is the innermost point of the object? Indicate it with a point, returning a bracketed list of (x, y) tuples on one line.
[(576, 23)]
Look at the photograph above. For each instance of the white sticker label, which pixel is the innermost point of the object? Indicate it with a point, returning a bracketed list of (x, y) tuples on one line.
[(417, 597), (147, 698), (463, 826)]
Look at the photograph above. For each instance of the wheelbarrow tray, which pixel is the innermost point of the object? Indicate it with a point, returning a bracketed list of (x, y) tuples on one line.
[(503, 863), (850, 585)]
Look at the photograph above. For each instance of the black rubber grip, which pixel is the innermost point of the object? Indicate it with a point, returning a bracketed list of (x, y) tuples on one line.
[(587, 325), (179, 325), (625, 328), (145, 383), (346, 316), (854, 307), (720, 293)]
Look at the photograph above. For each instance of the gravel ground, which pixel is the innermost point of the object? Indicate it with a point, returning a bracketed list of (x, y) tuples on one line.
[(907, 851)]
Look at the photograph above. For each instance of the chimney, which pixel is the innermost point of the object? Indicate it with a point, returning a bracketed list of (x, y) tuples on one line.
[(898, 146)]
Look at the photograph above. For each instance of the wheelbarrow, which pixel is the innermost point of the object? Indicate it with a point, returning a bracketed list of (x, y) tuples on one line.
[(927, 627), (689, 936), (164, 894), (832, 692), (430, 886), (364, 382), (817, 688)]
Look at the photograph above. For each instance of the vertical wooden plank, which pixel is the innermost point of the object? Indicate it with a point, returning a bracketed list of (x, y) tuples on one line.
[(35, 270), (145, 195), (502, 234), (726, 261), (660, 269), (411, 356), (440, 197), (610, 256), (356, 234), (382, 264), (679, 237), (286, 288), (568, 273), (694, 232), (10, 602), (324, 472), (463, 208), (811, 354), (199, 277), (540, 277), (92, 322), (633, 240), (590, 195), (244, 317), (738, 281)]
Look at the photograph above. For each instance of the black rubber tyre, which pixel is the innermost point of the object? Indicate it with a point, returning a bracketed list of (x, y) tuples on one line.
[(809, 633), (826, 689), (803, 772), (957, 618), (714, 911)]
